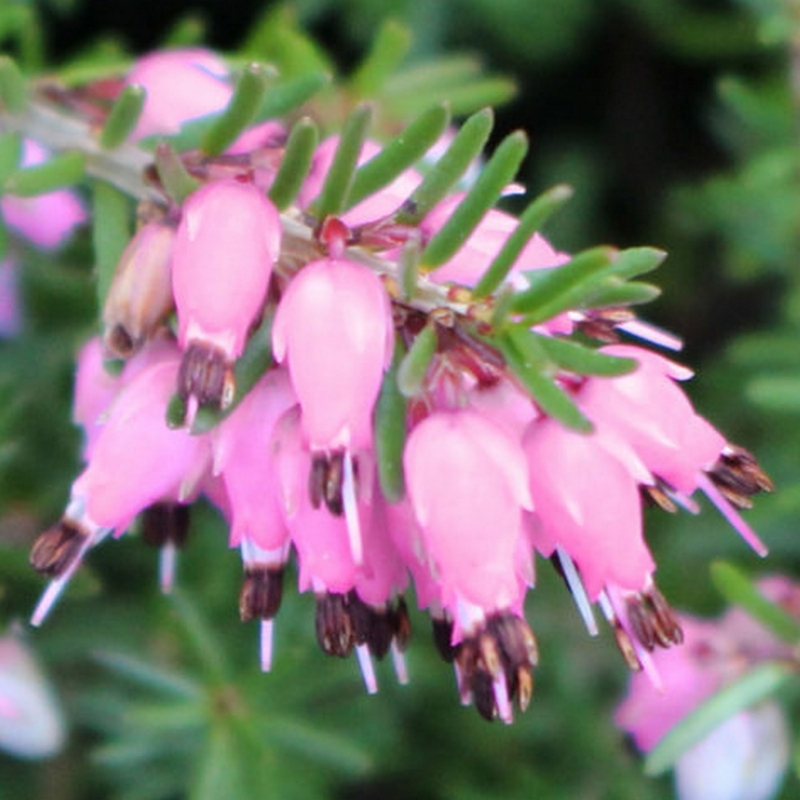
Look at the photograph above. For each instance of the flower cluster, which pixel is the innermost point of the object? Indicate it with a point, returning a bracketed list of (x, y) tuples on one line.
[(746, 756), (294, 457)]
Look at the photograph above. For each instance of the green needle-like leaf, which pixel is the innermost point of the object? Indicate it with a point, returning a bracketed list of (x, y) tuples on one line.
[(409, 268), (635, 261), (614, 292), (288, 96), (529, 362), (177, 181), (559, 287), (10, 155), (65, 169), (494, 177), (149, 676), (295, 164), (387, 52), (13, 92), (240, 112), (397, 156), (415, 363), (757, 685), (534, 216), (333, 197), (111, 211), (466, 146), (123, 117), (574, 357), (739, 590), (390, 431)]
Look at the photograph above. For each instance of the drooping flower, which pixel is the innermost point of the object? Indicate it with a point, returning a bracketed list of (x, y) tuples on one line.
[(226, 245), (31, 722), (746, 757), (478, 572), (136, 460)]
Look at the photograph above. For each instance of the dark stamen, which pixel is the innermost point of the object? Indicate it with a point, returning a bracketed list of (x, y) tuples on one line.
[(55, 549), (333, 625), (261, 593)]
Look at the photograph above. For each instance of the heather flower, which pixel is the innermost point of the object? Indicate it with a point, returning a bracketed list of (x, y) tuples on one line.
[(654, 418), (136, 461), (746, 757), (485, 490), (181, 85), (334, 331), (31, 722), (224, 250), (47, 219)]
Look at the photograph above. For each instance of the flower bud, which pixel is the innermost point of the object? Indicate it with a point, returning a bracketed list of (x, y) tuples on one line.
[(140, 296)]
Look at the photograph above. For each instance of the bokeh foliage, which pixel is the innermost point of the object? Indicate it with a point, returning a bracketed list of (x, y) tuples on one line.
[(677, 123)]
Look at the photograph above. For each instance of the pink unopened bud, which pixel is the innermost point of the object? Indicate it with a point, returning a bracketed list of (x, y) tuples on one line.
[(468, 483), (181, 85), (333, 328)]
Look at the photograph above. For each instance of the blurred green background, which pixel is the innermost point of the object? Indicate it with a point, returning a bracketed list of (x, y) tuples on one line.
[(677, 124)]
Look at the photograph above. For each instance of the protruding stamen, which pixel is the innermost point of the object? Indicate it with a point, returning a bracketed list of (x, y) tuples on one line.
[(577, 590), (730, 514), (399, 663), (167, 561), (266, 629), (501, 700), (652, 333), (442, 629), (351, 511), (367, 669)]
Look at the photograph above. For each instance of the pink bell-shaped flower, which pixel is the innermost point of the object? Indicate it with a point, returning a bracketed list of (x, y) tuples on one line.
[(468, 485), (333, 329), (31, 722), (181, 85), (587, 503), (137, 459), (226, 245), (243, 457)]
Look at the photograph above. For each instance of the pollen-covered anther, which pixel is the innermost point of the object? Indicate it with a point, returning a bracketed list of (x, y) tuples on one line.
[(627, 648), (601, 324), (371, 626), (652, 620), (326, 480), (206, 376), (739, 476), (261, 593), (334, 625), (442, 630), (401, 623), (496, 665), (56, 549), (657, 495), (165, 523)]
